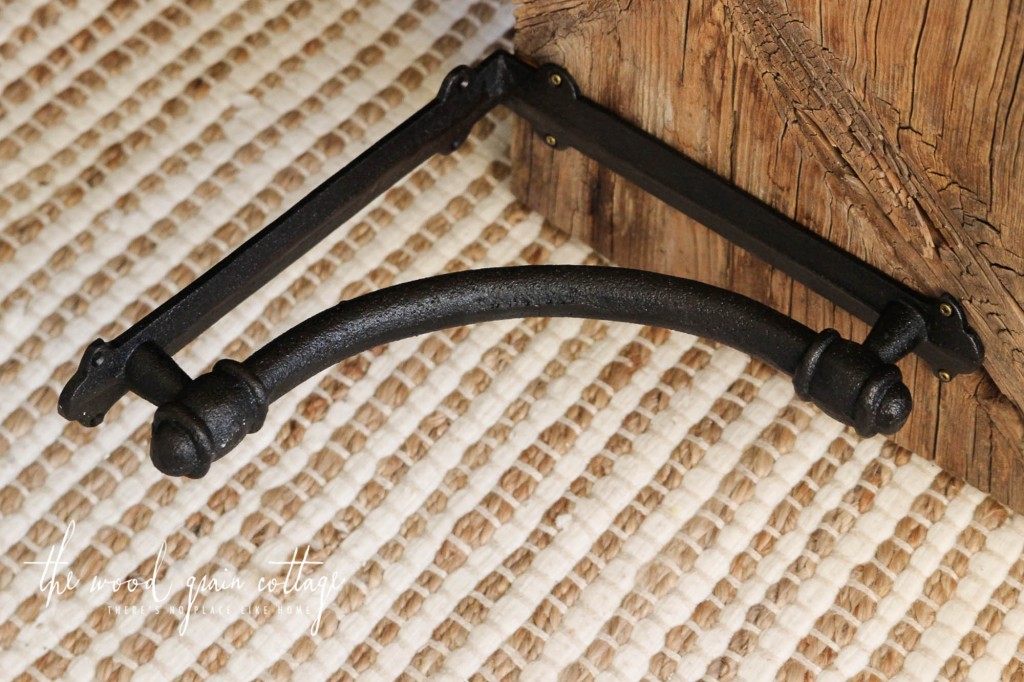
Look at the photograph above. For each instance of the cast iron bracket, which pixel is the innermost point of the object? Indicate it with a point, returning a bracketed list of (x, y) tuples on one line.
[(139, 360)]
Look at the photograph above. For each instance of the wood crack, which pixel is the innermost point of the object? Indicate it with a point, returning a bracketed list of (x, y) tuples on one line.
[(848, 140)]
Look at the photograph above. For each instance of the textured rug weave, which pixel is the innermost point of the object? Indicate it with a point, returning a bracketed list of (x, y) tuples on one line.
[(533, 499)]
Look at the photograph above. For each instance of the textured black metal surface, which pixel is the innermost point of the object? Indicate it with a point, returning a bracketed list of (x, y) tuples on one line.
[(198, 421), (213, 413)]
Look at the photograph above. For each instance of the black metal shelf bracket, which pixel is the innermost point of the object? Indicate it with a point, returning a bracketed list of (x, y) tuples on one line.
[(199, 420)]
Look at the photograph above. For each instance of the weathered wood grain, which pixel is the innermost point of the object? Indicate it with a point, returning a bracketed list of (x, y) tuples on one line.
[(893, 128)]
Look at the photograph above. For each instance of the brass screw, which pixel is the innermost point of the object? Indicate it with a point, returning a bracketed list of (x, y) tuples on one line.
[(555, 79), (551, 140), (946, 309), (944, 376)]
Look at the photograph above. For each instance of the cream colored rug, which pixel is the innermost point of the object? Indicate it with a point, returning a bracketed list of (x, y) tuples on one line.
[(532, 499)]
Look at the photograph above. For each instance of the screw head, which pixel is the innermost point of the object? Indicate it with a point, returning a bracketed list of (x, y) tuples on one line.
[(551, 140), (555, 79), (944, 376), (946, 310)]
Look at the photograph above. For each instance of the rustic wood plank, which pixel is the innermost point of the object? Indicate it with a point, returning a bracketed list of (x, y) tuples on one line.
[(892, 128)]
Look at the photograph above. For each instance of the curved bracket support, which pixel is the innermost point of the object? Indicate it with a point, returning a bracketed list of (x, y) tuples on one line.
[(212, 414)]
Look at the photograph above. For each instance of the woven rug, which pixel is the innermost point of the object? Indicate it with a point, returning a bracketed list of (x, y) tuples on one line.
[(532, 499)]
